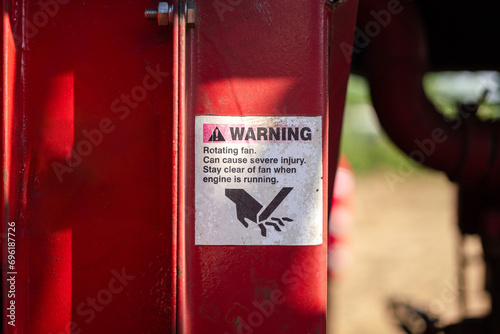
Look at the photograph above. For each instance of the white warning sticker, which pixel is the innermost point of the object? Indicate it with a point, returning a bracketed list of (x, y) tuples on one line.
[(258, 180)]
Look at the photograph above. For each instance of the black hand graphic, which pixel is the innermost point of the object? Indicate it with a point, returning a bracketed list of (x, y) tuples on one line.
[(246, 205)]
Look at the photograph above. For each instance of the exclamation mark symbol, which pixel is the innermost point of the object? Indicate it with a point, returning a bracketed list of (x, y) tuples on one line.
[(216, 135)]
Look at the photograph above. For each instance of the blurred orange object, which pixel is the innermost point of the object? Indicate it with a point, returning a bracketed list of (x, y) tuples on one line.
[(341, 220)]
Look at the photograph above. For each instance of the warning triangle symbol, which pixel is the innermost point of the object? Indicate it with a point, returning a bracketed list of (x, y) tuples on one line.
[(216, 135)]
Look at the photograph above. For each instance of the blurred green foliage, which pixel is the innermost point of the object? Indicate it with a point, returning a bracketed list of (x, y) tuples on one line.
[(446, 89), (363, 141)]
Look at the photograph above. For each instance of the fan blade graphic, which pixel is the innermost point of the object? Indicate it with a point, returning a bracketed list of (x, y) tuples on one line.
[(274, 203)]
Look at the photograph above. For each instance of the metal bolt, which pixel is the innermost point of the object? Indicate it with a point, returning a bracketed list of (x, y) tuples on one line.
[(191, 16), (332, 4), (164, 15)]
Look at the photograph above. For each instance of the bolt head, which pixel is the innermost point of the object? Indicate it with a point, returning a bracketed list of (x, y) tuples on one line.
[(191, 14)]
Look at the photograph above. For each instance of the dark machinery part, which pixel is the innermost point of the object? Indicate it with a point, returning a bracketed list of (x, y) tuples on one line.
[(427, 35)]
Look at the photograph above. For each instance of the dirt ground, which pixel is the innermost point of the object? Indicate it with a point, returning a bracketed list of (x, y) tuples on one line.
[(404, 245)]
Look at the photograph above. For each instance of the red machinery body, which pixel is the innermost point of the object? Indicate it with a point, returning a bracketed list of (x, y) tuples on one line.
[(99, 148), (88, 158)]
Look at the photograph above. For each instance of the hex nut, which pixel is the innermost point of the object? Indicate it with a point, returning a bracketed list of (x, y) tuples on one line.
[(191, 18), (165, 14)]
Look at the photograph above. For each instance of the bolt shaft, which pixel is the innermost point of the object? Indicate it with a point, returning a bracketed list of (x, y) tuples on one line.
[(151, 14)]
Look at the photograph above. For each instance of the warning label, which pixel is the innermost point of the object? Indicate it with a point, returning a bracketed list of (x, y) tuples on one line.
[(258, 180)]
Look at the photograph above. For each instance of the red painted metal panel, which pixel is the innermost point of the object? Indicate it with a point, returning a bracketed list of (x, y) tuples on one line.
[(258, 59), (89, 112), (342, 25)]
